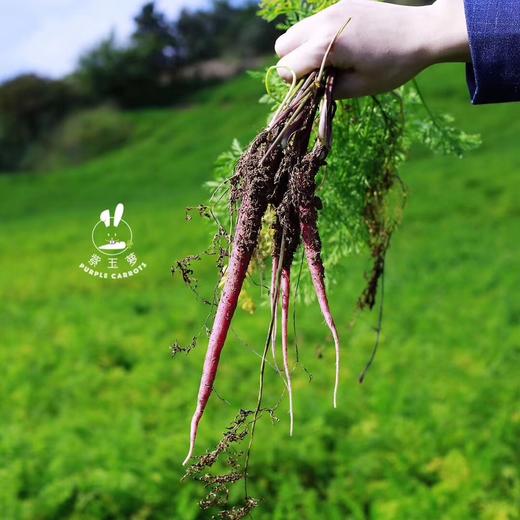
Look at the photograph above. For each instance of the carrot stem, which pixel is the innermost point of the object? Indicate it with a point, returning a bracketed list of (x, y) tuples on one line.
[(329, 49)]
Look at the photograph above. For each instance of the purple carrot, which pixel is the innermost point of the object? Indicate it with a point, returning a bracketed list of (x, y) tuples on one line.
[(236, 274), (309, 236), (308, 214), (256, 180)]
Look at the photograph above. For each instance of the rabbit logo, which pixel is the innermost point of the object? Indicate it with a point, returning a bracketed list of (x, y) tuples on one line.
[(112, 235)]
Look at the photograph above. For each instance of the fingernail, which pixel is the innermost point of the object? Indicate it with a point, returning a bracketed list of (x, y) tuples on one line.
[(278, 45)]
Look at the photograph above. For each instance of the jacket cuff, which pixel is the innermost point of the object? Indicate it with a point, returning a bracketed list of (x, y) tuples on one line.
[(494, 38)]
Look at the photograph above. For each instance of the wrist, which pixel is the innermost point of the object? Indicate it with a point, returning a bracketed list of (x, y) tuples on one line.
[(447, 32)]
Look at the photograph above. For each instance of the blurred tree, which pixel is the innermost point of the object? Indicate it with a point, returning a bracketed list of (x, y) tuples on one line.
[(142, 72), (189, 29), (132, 75), (102, 72), (145, 71), (29, 106), (154, 34), (225, 30)]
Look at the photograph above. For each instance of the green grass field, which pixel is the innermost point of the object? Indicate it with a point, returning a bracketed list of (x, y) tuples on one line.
[(94, 412)]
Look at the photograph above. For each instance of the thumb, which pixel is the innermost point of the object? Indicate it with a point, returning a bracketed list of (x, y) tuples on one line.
[(302, 60)]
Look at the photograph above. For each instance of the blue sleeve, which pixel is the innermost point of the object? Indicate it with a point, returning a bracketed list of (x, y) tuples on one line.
[(494, 38)]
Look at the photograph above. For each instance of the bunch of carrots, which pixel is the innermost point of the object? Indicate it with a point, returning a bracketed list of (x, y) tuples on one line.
[(278, 172)]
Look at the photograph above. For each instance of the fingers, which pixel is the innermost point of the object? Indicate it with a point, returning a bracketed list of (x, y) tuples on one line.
[(291, 39), (297, 35), (304, 59), (304, 45)]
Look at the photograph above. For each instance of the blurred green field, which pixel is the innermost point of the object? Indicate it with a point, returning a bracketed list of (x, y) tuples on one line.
[(95, 413)]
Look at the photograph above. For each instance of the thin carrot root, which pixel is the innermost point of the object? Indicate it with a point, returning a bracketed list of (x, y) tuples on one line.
[(309, 234), (274, 310), (286, 294)]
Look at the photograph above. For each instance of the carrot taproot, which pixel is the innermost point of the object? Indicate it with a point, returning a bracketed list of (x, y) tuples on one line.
[(255, 180), (308, 204)]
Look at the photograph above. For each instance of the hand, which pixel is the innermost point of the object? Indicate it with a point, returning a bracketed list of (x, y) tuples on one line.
[(382, 47)]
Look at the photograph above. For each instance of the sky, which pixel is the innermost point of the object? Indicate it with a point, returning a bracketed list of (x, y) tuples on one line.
[(48, 36)]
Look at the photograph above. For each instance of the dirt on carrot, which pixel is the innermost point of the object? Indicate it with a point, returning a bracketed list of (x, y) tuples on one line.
[(278, 171)]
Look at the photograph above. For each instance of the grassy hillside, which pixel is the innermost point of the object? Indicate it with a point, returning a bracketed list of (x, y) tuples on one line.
[(95, 413)]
